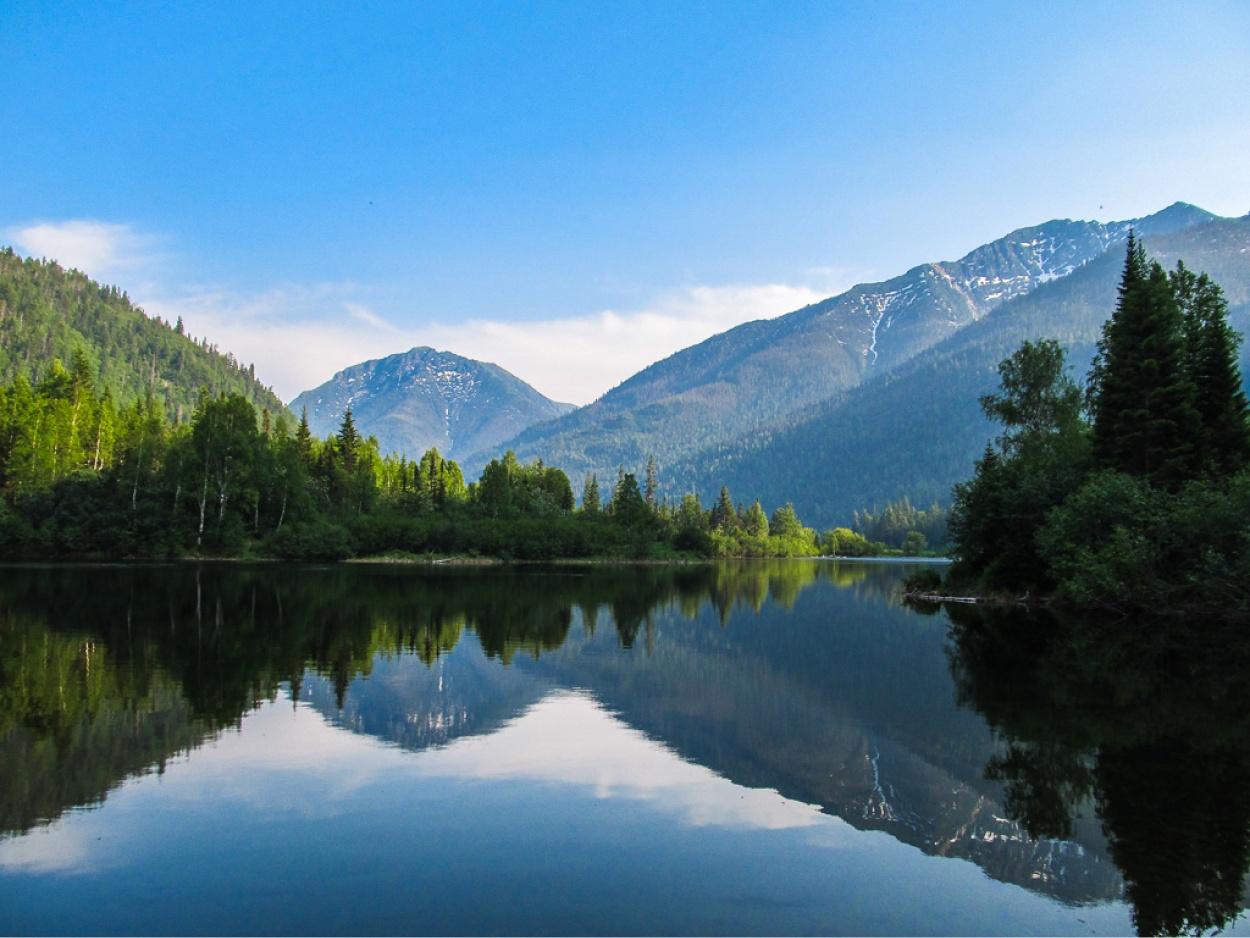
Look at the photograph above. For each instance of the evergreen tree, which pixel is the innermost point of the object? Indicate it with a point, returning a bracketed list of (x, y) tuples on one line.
[(1185, 289), (691, 523), (590, 495), (652, 482), (724, 516), (629, 508), (756, 521), (785, 522), (1212, 361), (304, 440), (348, 440), (1141, 394)]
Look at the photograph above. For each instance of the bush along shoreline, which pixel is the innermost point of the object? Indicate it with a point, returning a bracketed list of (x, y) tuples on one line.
[(83, 478), (1131, 495)]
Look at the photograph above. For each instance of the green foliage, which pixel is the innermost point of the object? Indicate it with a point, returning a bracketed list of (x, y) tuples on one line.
[(80, 479), (1142, 395), (1212, 361), (915, 544), (915, 428), (843, 542), (895, 523), (1119, 541), (591, 503), (316, 539), (49, 313), (1139, 511), (628, 507), (1036, 398), (756, 523)]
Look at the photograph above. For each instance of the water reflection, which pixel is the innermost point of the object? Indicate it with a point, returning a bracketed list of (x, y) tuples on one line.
[(1144, 725), (763, 696)]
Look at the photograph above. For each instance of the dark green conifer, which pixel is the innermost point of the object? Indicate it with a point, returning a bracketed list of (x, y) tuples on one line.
[(349, 440), (756, 521), (724, 515), (591, 504), (1212, 361), (303, 439), (1141, 393)]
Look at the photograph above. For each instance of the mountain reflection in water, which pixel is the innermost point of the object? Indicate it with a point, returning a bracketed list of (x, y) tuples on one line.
[(776, 695)]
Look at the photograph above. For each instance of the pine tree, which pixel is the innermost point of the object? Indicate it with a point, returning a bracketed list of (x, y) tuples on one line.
[(1185, 289), (724, 516), (1212, 361), (756, 521), (1141, 394), (349, 440), (590, 495), (652, 482), (303, 440), (785, 522), (629, 508)]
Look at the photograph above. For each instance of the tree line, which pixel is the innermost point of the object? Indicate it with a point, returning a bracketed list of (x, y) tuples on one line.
[(1134, 492), (49, 312), (82, 476)]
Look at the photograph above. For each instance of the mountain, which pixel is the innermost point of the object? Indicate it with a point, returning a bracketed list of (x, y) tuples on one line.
[(49, 312), (423, 398), (762, 372), (917, 429)]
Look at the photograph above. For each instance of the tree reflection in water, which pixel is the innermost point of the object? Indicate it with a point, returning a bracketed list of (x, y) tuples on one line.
[(107, 672), (1145, 723)]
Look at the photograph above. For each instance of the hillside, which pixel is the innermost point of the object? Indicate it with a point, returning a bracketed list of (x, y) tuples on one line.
[(423, 398), (917, 430), (49, 312), (763, 372)]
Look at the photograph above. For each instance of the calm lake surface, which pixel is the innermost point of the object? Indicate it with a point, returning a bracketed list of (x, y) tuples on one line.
[(777, 747)]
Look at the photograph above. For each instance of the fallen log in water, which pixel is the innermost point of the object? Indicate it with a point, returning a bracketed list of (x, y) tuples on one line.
[(936, 598)]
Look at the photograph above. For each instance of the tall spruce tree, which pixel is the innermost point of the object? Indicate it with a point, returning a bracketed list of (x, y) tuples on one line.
[(723, 517), (756, 522), (349, 440), (1211, 358), (1141, 393), (591, 503), (304, 440)]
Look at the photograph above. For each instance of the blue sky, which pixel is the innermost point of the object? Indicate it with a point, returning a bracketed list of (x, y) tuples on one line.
[(574, 190)]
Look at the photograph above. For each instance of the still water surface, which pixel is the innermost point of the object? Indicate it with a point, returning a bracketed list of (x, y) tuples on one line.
[(758, 748)]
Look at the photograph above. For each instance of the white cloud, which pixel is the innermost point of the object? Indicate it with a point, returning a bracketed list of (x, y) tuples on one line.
[(568, 738), (101, 249), (298, 335), (368, 316), (296, 346)]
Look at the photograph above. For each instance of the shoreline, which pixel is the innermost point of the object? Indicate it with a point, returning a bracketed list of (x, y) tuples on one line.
[(454, 561)]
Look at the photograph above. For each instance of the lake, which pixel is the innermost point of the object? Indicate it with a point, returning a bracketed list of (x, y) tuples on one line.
[(771, 747)]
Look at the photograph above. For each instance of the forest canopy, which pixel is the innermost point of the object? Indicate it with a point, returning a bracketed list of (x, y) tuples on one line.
[(84, 476), (1134, 492)]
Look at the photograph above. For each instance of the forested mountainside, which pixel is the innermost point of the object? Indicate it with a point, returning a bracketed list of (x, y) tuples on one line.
[(49, 312), (425, 398), (767, 371), (917, 430)]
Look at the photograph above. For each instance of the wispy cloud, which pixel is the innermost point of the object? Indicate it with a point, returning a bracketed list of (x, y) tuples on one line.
[(101, 249), (573, 359), (298, 335), (368, 317)]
